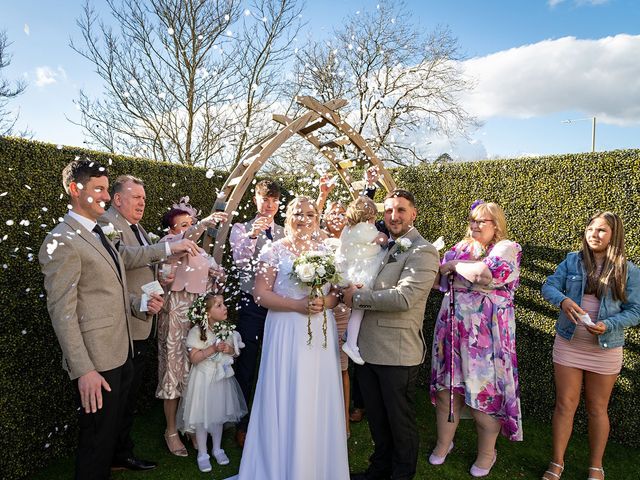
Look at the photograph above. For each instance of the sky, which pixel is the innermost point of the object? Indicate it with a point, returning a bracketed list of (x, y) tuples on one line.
[(534, 63)]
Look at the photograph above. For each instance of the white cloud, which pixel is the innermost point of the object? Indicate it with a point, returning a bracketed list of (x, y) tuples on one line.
[(598, 77), (47, 76), (579, 3)]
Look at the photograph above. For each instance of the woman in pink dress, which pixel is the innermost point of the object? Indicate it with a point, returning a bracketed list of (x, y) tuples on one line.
[(598, 292), (486, 270), (185, 279)]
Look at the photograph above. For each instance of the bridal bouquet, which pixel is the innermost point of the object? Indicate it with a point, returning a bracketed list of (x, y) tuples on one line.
[(315, 269), (222, 330)]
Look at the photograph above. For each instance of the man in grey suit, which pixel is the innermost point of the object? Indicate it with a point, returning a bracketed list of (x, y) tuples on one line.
[(391, 341), (128, 199), (89, 306)]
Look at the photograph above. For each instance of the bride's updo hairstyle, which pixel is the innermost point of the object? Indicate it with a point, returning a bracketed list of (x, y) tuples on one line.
[(293, 207)]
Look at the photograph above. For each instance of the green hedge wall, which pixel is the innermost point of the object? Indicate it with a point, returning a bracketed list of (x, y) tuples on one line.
[(547, 201)]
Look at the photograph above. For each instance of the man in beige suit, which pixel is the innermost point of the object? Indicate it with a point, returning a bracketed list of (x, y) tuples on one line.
[(391, 341), (89, 306), (128, 200)]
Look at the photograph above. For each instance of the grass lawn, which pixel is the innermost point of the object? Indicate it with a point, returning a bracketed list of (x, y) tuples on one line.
[(521, 460)]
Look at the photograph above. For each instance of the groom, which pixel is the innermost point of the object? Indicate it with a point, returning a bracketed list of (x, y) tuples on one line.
[(391, 341)]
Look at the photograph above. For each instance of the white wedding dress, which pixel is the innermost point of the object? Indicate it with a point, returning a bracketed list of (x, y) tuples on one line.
[(297, 426)]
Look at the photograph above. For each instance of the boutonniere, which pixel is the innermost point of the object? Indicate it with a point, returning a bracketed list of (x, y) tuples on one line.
[(153, 238), (403, 245), (110, 232)]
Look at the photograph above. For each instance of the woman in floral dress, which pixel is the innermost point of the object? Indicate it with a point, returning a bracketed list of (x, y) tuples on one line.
[(486, 268), (188, 279)]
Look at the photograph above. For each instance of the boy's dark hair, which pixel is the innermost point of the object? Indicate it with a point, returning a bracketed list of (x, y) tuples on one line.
[(268, 188), (406, 194), (81, 171)]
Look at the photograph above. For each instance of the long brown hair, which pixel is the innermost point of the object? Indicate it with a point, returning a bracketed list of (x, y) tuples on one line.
[(613, 277)]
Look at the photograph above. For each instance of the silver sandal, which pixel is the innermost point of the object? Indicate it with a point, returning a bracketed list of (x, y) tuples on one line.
[(549, 472)]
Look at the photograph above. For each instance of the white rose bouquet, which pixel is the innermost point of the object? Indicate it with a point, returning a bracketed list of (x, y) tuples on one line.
[(316, 269)]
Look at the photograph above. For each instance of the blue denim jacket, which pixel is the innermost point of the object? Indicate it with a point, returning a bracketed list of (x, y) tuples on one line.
[(569, 280)]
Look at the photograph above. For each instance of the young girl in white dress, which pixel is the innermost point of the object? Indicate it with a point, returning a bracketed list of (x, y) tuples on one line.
[(359, 257), (213, 396)]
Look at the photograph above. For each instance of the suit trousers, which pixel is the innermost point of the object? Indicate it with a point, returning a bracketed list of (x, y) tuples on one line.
[(124, 444), (99, 431), (251, 318), (389, 397)]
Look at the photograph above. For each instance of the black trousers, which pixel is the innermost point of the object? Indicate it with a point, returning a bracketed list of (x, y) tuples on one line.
[(124, 444), (250, 326), (389, 397), (356, 394), (99, 431)]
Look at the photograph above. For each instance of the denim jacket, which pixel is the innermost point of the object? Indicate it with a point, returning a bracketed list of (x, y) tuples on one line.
[(569, 281)]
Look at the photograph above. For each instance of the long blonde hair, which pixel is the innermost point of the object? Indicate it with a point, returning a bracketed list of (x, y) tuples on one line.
[(291, 208), (613, 277), (496, 213)]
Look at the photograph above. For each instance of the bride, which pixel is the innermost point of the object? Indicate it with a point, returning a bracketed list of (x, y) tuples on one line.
[(297, 426)]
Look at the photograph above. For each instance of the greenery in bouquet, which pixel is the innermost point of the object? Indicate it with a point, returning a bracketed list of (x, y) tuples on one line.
[(316, 269), (222, 330)]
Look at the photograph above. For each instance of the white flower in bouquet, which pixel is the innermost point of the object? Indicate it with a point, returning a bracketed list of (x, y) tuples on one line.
[(306, 272), (316, 269)]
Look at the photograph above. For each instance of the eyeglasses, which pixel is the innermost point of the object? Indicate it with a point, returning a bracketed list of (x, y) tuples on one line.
[(481, 222)]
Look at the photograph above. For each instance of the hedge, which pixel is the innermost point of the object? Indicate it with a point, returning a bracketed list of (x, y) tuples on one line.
[(547, 201)]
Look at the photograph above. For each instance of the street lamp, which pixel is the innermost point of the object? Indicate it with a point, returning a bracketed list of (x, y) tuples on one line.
[(593, 129)]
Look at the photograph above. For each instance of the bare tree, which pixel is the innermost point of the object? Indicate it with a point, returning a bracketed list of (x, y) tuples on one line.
[(400, 81), (8, 90), (184, 80)]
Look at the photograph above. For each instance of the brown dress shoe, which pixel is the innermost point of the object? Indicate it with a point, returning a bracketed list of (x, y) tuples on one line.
[(356, 415), (240, 438)]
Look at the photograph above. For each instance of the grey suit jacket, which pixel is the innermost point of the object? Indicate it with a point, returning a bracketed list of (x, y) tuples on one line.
[(391, 330), (87, 300), (136, 276)]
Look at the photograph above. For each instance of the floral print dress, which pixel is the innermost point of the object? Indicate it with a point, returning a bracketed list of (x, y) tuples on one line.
[(484, 344)]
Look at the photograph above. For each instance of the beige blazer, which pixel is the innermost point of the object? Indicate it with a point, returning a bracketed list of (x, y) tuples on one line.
[(391, 331), (87, 300), (136, 276)]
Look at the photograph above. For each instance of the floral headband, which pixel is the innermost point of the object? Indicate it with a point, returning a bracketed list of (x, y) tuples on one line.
[(184, 205), (197, 313), (476, 203)]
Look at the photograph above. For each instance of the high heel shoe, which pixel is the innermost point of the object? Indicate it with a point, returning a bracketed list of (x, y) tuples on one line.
[(437, 460), (556, 476), (596, 469), (483, 472), (174, 444)]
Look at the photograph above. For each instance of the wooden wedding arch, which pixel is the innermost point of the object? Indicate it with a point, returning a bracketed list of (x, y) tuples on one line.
[(317, 116)]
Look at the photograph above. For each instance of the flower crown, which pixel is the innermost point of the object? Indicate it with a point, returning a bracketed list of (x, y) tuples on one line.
[(184, 205), (197, 313)]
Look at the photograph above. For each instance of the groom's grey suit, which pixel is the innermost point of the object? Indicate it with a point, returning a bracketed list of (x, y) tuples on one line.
[(392, 344)]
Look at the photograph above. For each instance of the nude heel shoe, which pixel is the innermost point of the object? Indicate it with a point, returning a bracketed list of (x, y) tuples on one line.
[(174, 444)]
